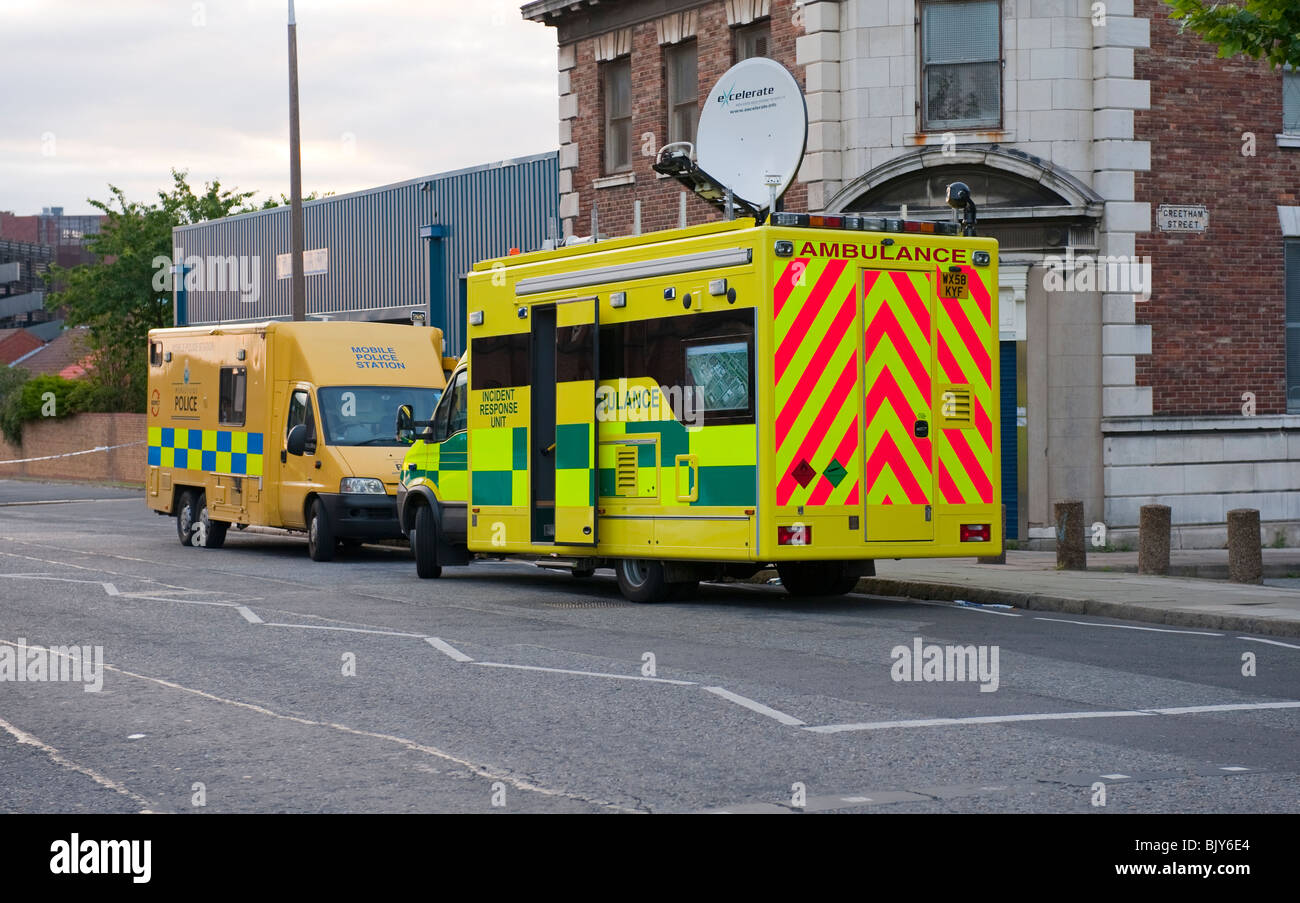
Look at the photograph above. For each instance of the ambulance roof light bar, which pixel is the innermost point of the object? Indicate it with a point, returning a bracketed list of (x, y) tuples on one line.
[(864, 224)]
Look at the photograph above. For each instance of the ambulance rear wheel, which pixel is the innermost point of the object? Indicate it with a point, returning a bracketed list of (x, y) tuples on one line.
[(214, 531), (185, 518), (815, 578), (320, 533), (642, 581), (424, 543)]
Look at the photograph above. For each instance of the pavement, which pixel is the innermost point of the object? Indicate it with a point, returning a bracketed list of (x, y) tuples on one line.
[(1111, 588)]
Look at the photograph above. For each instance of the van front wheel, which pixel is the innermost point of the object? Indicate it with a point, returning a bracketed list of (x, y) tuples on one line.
[(642, 581), (320, 534), (185, 517), (424, 543)]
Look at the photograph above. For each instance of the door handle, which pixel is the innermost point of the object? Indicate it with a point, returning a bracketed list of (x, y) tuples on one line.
[(921, 429), (284, 456), (692, 478)]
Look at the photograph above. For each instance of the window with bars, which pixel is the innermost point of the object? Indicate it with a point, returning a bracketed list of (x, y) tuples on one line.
[(753, 40), (682, 64), (1293, 327), (618, 115), (961, 64), (1291, 103)]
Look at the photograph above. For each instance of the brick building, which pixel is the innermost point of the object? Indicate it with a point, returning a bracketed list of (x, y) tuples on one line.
[(1096, 140)]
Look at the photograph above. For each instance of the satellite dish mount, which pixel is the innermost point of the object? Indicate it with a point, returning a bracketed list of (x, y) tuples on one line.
[(750, 141)]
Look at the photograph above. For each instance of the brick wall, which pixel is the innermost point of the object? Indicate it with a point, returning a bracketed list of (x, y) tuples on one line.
[(1218, 301), (659, 197), (78, 433)]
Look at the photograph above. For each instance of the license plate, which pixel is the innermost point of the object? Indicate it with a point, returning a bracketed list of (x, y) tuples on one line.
[(953, 285)]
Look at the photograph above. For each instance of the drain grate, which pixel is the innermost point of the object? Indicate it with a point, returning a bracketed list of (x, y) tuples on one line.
[(587, 603)]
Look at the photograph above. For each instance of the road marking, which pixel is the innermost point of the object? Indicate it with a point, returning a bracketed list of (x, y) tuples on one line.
[(1116, 777), (418, 636), (1048, 716), (1254, 639), (110, 589), (1233, 768), (447, 649), (483, 771), (59, 759), (653, 680), (988, 611), (756, 706), (249, 615), (1129, 627)]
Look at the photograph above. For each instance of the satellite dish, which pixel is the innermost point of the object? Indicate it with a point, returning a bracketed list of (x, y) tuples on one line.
[(753, 131)]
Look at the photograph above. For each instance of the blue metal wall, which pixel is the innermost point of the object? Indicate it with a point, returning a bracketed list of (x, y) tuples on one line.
[(1010, 483), (378, 264)]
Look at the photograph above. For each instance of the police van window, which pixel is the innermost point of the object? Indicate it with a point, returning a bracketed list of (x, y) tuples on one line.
[(300, 412), (232, 393), (155, 354), (366, 415)]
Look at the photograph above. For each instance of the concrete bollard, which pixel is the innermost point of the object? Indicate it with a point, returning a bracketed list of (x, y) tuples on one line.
[(1071, 554), (998, 559), (1153, 540), (1245, 558)]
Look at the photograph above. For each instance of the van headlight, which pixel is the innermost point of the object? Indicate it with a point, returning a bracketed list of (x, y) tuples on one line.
[(367, 485)]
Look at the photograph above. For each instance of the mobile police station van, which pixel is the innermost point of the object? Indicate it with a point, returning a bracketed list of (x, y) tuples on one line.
[(285, 425), (810, 392)]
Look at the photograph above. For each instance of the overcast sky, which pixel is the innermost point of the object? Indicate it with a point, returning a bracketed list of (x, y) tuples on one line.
[(94, 92)]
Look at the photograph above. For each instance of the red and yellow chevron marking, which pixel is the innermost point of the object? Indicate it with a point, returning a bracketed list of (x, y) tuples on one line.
[(965, 335), (816, 302), (898, 387)]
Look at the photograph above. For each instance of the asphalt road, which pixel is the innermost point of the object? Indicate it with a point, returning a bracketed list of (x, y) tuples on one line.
[(505, 688)]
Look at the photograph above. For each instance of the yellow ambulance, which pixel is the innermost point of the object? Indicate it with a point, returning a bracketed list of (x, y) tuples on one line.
[(285, 424), (810, 392)]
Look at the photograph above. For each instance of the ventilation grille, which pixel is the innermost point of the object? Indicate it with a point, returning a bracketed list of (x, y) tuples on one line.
[(955, 406), (625, 471)]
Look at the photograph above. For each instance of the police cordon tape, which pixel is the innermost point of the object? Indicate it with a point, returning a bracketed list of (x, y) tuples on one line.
[(88, 451)]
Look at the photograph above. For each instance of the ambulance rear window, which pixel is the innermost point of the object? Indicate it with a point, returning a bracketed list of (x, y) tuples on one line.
[(233, 392)]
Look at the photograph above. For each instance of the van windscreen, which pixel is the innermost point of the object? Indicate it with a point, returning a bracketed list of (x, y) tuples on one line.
[(366, 415)]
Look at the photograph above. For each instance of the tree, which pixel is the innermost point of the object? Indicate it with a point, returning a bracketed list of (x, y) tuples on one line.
[(115, 297), (1259, 29)]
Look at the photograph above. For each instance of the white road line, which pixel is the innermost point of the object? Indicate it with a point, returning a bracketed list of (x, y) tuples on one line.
[(58, 758), (249, 615), (418, 636), (653, 680), (110, 589), (1255, 639), (756, 706), (483, 771), (1230, 707), (988, 611), (51, 577), (1048, 716), (447, 649), (1129, 627)]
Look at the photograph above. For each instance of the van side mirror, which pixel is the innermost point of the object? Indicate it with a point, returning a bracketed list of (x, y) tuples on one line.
[(405, 419), (297, 440)]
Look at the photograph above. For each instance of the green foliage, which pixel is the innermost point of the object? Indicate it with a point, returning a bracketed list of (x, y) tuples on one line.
[(24, 399), (283, 200), (128, 292), (1259, 29)]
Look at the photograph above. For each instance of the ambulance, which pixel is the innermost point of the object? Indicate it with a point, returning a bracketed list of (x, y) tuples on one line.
[(809, 392), (285, 424), (812, 393)]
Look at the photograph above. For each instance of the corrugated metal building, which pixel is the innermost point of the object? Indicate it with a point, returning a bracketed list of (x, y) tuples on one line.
[(379, 254)]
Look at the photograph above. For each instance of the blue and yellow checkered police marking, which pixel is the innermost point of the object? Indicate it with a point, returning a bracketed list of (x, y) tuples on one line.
[(215, 451)]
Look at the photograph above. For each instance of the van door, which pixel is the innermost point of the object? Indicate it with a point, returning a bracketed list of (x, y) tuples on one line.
[(898, 398), (298, 473), (563, 453)]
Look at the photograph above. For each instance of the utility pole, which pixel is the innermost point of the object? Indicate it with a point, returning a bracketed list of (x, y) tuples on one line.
[(299, 279)]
